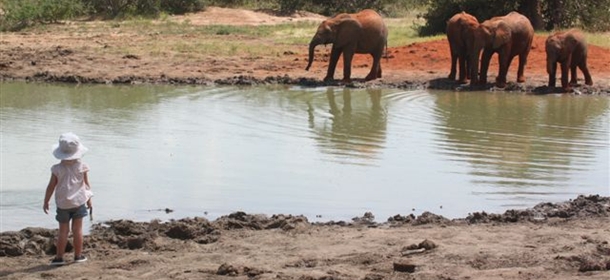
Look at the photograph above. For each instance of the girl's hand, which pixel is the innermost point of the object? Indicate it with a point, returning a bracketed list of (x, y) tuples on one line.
[(89, 204), (45, 208)]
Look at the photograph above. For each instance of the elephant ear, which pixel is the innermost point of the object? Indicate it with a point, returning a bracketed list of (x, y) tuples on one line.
[(502, 35), (347, 29)]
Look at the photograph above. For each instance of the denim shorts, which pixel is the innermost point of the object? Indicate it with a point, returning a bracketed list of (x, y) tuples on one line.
[(65, 215)]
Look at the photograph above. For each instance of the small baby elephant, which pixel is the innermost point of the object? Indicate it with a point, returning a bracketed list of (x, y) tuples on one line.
[(569, 48)]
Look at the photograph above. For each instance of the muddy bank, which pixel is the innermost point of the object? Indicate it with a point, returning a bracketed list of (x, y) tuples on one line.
[(141, 235), (434, 84), (549, 241)]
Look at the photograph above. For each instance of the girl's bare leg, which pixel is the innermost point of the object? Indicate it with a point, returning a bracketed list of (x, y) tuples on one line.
[(62, 239), (77, 232)]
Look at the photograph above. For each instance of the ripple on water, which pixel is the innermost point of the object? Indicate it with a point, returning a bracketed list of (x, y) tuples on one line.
[(337, 152)]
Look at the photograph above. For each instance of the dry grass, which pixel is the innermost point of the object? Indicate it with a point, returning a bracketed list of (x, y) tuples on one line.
[(166, 37)]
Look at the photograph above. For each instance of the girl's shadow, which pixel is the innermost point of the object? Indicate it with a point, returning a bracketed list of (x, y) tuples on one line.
[(33, 269)]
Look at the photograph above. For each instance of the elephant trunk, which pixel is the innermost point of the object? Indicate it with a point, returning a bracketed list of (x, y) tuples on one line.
[(312, 45)]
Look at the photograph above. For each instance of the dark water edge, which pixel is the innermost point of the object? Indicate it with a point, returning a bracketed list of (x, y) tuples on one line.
[(136, 235), (244, 80)]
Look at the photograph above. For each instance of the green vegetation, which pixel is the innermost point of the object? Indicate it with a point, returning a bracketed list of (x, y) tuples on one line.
[(599, 39), (590, 15), (17, 14), (408, 20)]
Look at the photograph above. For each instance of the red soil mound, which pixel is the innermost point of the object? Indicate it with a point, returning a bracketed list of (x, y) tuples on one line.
[(433, 58)]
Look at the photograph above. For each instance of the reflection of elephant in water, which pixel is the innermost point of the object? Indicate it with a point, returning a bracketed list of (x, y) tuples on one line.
[(363, 32), (569, 48), (511, 166), (356, 131), (460, 34), (509, 36)]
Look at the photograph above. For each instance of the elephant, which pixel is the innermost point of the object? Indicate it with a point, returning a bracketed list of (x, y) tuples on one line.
[(509, 36), (362, 32), (460, 34), (569, 48)]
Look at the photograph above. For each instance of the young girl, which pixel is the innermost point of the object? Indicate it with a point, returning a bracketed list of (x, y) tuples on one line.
[(70, 183)]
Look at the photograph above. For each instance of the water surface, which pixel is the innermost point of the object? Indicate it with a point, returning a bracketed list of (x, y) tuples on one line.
[(327, 153)]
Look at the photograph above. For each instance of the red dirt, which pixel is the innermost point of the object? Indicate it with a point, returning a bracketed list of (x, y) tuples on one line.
[(64, 54), (432, 60)]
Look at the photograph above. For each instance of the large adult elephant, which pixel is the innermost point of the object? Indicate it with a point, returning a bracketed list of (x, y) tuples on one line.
[(460, 34), (569, 48), (363, 32), (509, 36)]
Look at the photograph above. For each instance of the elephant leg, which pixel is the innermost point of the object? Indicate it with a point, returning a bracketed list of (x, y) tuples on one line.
[(552, 74), (585, 71), (521, 70), (467, 62), (504, 61), (463, 69), (484, 66), (564, 75), (452, 73), (376, 69), (573, 75), (347, 65), (335, 53)]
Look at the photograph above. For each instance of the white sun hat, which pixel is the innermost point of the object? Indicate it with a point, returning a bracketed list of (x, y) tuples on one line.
[(69, 147)]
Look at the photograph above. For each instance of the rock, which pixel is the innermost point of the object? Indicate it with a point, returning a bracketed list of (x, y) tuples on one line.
[(135, 243), (227, 269), (590, 265), (10, 245), (430, 218), (253, 272), (373, 277), (404, 266), (367, 219), (181, 231), (427, 244)]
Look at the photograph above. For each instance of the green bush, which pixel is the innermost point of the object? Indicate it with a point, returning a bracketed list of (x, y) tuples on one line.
[(178, 7), (439, 11), (332, 7), (593, 15), (290, 6), (22, 13), (148, 8)]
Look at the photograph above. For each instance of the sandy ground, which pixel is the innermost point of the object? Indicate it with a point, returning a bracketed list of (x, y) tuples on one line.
[(550, 241), (64, 54)]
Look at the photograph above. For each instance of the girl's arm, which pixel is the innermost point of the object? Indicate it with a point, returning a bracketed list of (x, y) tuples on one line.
[(86, 177), (49, 193)]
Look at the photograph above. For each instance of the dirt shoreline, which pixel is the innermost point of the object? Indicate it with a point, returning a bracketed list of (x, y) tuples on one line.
[(65, 53), (566, 240)]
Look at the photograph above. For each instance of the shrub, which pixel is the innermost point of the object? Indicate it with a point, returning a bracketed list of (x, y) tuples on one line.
[(332, 7), (178, 7), (22, 13), (593, 15), (148, 8), (440, 11)]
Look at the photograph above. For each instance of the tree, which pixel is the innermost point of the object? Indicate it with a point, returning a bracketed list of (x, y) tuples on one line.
[(532, 9), (593, 15)]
